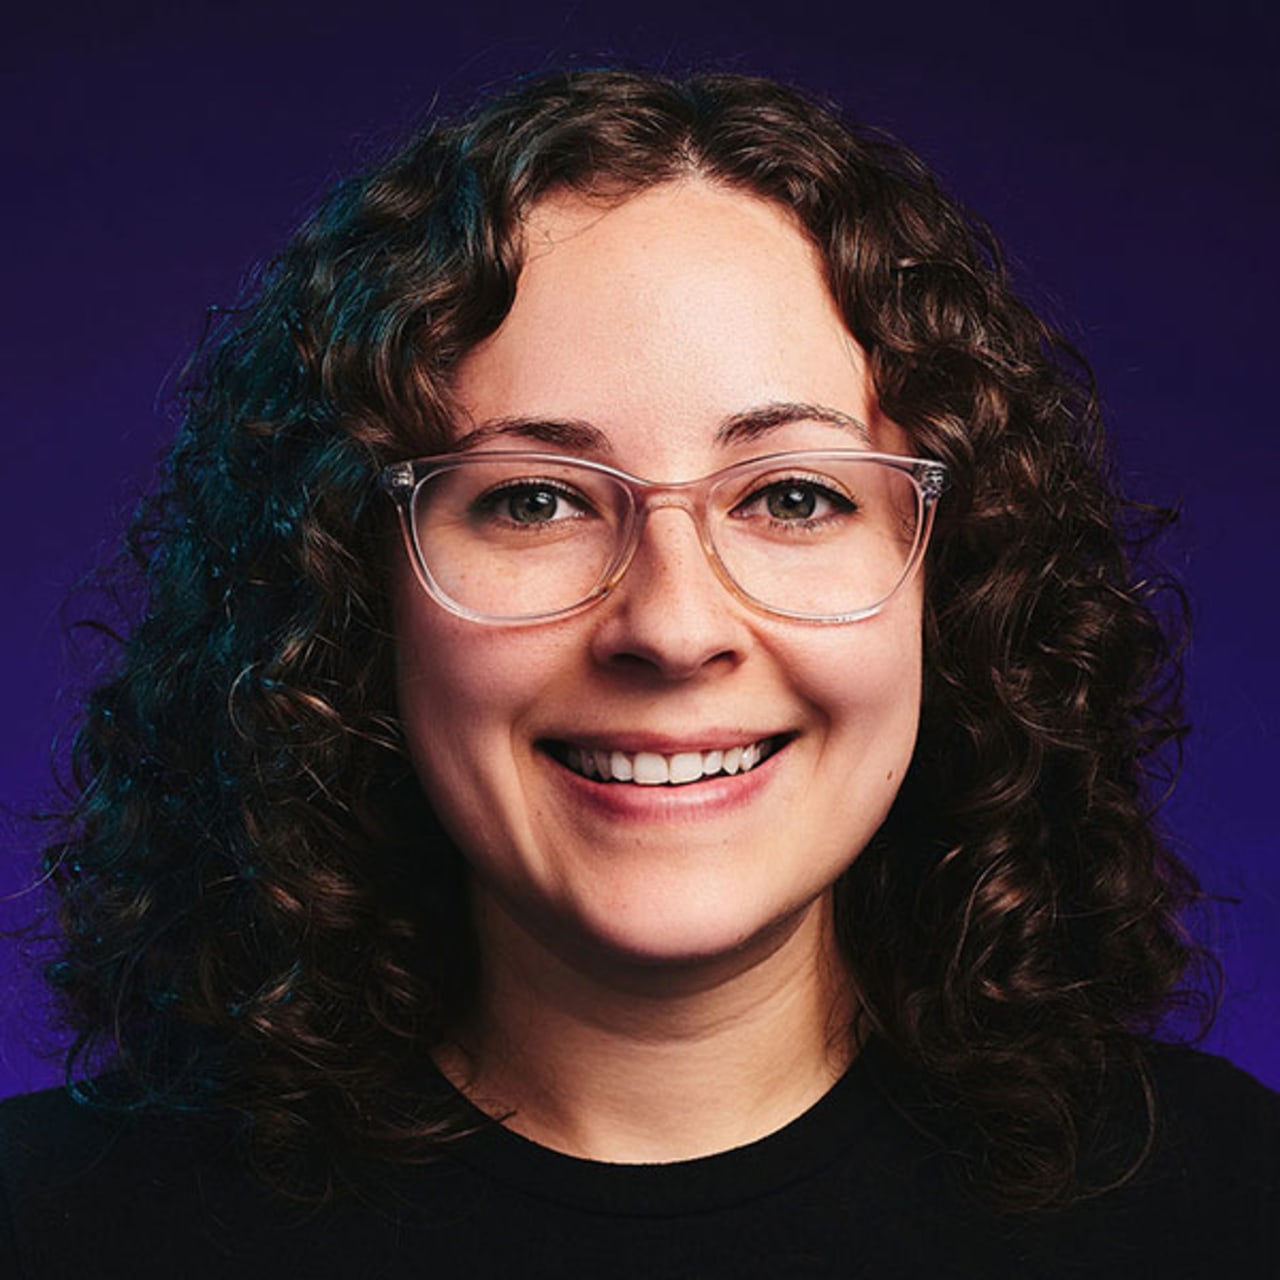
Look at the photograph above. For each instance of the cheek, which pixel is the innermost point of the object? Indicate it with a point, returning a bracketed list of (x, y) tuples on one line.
[(866, 688), (876, 663), (464, 694), (444, 687), (438, 681)]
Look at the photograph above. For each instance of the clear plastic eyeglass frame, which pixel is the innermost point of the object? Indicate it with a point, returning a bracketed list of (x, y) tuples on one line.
[(403, 480)]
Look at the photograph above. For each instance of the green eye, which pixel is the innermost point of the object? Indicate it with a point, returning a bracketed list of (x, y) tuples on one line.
[(795, 501), (531, 506), (791, 502), (530, 502)]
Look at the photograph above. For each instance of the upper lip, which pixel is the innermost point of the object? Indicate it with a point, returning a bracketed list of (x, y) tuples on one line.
[(631, 742)]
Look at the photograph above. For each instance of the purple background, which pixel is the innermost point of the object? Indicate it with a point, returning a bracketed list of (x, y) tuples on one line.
[(1127, 157)]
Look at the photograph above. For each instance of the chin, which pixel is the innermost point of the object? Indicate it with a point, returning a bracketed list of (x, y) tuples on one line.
[(688, 936)]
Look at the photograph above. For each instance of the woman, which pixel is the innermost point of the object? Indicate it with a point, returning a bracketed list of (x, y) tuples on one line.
[(710, 833)]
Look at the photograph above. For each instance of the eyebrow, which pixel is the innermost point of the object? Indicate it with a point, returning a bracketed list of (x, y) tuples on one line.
[(581, 436), (754, 423), (564, 433)]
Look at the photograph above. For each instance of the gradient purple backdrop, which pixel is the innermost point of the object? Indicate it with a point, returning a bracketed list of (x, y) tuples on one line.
[(1128, 160)]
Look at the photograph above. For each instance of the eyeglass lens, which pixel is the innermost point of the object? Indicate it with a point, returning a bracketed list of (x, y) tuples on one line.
[(518, 539)]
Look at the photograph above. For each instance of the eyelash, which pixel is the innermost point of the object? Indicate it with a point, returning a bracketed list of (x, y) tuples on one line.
[(841, 503), (488, 503)]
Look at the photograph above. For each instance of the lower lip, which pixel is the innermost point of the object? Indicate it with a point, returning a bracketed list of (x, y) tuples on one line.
[(630, 802)]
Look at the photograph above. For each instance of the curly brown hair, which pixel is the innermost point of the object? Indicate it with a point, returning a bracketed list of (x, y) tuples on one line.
[(256, 907)]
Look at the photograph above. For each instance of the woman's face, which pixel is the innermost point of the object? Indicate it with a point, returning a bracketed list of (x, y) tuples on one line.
[(654, 322)]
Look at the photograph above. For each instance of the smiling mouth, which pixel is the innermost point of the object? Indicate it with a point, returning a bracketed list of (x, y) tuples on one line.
[(651, 769)]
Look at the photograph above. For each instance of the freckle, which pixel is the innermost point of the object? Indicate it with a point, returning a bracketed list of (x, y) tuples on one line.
[(888, 777)]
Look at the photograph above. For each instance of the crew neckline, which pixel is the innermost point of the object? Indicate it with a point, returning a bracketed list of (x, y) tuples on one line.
[(800, 1149)]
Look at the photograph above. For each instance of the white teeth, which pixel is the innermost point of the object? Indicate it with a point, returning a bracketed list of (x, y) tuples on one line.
[(650, 769), (686, 766)]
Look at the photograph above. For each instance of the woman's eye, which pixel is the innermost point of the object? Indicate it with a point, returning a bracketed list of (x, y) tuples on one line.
[(531, 503), (796, 500)]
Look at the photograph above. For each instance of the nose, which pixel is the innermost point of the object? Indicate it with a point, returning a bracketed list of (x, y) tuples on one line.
[(670, 614)]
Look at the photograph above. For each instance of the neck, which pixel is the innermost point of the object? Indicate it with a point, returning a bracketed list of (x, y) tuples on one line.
[(650, 1063)]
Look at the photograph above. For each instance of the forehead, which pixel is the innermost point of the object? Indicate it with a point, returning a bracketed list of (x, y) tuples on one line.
[(687, 217), (632, 258), (682, 305)]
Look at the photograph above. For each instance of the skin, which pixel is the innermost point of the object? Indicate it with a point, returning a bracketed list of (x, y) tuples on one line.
[(660, 975)]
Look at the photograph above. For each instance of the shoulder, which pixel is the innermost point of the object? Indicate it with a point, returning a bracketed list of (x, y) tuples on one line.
[(1182, 1068), (1206, 1198), (1208, 1109), (90, 1191), (1180, 1176), (52, 1139), (78, 1183)]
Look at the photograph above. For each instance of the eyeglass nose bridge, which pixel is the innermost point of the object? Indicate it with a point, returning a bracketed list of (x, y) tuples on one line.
[(667, 498), (689, 496)]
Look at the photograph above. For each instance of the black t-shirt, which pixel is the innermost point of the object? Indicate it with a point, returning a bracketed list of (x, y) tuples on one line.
[(848, 1189)]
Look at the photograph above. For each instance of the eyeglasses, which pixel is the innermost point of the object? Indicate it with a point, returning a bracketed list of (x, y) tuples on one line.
[(817, 536)]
